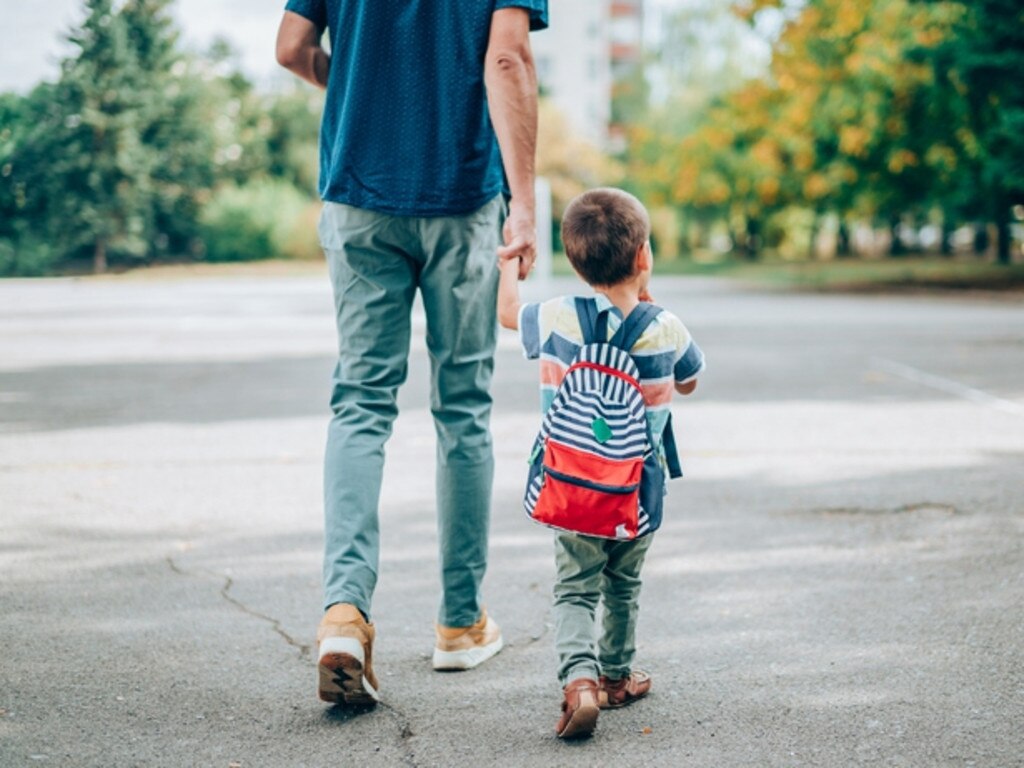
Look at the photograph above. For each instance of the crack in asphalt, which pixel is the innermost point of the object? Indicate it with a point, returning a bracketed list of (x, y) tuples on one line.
[(400, 719), (921, 509), (404, 733), (304, 649)]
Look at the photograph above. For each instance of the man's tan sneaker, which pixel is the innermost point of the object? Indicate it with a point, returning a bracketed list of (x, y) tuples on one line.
[(345, 657), (466, 647)]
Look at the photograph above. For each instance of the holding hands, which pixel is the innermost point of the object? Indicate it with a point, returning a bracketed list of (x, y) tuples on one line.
[(520, 236)]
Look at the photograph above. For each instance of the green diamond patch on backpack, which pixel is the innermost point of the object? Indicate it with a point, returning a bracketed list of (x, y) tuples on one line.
[(602, 432)]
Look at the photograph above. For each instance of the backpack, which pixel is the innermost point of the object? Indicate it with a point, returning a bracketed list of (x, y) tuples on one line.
[(595, 468)]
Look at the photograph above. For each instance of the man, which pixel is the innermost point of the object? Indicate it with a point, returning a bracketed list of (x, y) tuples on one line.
[(430, 108)]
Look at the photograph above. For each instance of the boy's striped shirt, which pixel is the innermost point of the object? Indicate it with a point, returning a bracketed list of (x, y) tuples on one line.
[(664, 355)]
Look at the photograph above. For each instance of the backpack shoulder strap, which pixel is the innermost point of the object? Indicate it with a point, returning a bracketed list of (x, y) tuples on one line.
[(586, 312), (594, 324), (668, 439), (633, 327)]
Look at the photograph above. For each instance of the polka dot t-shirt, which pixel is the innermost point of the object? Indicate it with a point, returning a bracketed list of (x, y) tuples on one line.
[(405, 128)]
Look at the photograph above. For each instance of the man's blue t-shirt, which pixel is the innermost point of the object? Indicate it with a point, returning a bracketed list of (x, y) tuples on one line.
[(406, 129)]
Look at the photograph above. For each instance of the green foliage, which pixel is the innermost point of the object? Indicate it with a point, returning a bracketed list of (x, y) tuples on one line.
[(20, 197), (872, 109), (105, 169), (233, 233), (294, 118), (978, 76), (120, 157), (262, 220), (25, 255)]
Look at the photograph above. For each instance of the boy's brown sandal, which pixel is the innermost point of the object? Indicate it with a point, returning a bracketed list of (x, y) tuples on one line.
[(619, 693), (579, 709)]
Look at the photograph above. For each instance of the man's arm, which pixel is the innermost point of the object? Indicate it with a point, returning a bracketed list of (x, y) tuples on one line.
[(512, 99), (508, 294), (299, 50)]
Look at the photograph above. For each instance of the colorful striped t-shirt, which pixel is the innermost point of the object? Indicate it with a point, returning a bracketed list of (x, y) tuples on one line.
[(664, 354)]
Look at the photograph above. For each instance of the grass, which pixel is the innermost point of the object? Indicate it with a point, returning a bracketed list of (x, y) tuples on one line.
[(854, 275), (910, 273), (283, 268)]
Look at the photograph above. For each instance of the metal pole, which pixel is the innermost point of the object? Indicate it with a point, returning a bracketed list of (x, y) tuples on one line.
[(543, 270)]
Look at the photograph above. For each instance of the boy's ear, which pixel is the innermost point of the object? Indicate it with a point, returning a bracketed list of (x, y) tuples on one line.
[(644, 257)]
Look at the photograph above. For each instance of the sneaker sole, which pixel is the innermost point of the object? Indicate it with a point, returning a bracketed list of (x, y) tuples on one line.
[(582, 723), (454, 661), (340, 669)]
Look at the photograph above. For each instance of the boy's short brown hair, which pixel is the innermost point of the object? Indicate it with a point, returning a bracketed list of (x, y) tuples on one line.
[(601, 231)]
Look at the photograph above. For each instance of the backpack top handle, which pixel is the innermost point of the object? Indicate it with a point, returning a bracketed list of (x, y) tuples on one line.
[(594, 324), (633, 327)]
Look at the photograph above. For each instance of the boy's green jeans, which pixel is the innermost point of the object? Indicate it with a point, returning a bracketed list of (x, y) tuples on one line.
[(591, 569), (377, 262)]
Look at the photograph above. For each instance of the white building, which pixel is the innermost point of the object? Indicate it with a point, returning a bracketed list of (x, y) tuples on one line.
[(589, 46)]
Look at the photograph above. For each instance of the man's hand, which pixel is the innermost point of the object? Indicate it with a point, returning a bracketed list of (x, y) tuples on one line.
[(520, 235)]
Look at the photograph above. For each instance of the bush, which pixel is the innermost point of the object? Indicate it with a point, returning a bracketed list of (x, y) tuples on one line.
[(262, 220), (25, 257)]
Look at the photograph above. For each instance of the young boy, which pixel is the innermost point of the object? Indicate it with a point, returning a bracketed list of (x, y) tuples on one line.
[(606, 234)]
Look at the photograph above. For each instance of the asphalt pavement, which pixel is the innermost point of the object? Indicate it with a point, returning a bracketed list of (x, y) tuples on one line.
[(839, 580)]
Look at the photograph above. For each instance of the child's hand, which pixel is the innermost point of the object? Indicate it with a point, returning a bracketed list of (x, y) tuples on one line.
[(508, 291), (505, 264)]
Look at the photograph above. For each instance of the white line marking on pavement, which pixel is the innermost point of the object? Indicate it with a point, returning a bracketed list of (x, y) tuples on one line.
[(948, 385)]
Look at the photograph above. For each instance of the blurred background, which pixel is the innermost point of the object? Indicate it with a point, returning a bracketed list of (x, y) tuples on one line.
[(808, 135)]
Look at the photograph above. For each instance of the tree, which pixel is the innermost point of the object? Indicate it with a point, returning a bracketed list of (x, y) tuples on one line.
[(174, 124), (119, 158), (843, 123), (104, 167), (292, 138), (978, 69), (27, 127), (858, 87)]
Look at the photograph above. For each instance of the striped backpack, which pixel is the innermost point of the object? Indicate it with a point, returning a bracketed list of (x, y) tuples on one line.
[(595, 468)]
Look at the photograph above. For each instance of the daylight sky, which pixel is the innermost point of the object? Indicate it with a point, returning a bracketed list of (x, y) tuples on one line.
[(31, 47)]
